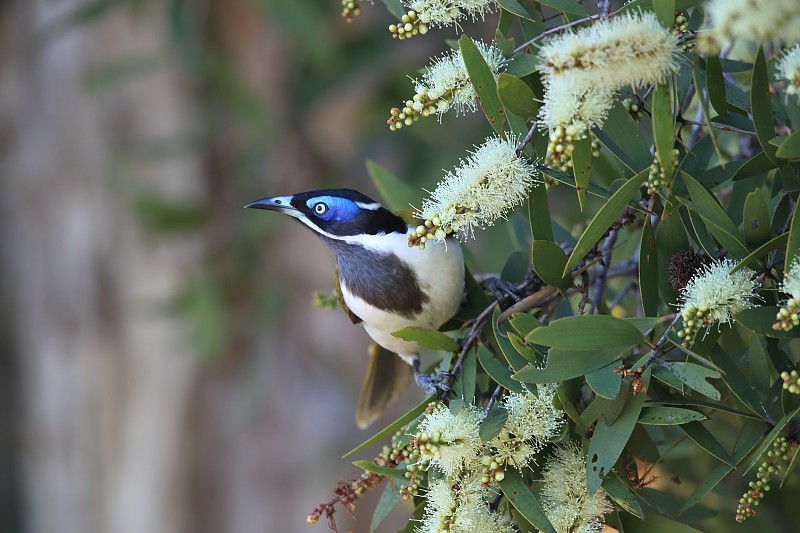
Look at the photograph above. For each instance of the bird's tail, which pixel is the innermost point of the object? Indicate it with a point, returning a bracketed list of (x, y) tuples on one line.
[(386, 379)]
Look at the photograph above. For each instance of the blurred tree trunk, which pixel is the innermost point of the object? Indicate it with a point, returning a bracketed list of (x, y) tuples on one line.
[(105, 363)]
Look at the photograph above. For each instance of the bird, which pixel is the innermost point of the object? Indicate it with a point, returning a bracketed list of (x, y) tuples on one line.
[(383, 284)]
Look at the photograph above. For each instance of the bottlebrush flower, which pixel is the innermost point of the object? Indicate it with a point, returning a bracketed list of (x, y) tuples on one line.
[(574, 108), (485, 187), (788, 68), (754, 20), (788, 314), (450, 442), (715, 294), (444, 86), (459, 505), (439, 13), (565, 496)]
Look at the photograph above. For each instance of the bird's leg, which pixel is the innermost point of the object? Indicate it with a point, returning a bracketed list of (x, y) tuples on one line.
[(505, 292), (431, 384)]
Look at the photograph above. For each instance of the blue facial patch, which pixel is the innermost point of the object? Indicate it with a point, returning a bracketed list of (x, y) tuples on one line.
[(333, 208)]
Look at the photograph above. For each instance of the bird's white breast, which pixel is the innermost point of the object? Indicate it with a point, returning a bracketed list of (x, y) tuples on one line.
[(440, 273)]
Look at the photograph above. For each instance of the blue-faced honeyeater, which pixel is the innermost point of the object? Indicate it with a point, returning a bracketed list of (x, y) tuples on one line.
[(382, 283)]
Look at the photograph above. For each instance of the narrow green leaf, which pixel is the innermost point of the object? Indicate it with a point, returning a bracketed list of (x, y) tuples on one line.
[(708, 405), (539, 214), (512, 6), (609, 440), (793, 245), (623, 496), (510, 348), (754, 166), (497, 371), (469, 371), (719, 223), (648, 269), (389, 499), (370, 466), (670, 238), (771, 436), (762, 251), (669, 416), (763, 118), (549, 261), (565, 363), (716, 85), (523, 349), (665, 11), (790, 147), (602, 220), (622, 136), (604, 381), (586, 332), (483, 82), (524, 501), (700, 82), (427, 338), (755, 219), (567, 6), (703, 438), (581, 164), (738, 383), (392, 428), (643, 323), (664, 122), (695, 376), (395, 193), (516, 96), (759, 366), (760, 320), (523, 65), (395, 7), (493, 422), (524, 323)]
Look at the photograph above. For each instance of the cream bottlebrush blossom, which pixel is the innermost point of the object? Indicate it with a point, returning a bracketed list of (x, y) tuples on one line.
[(440, 13), (788, 68), (458, 505), (633, 50), (788, 314), (485, 187), (574, 108), (532, 421), (714, 294), (445, 85), (754, 20), (450, 442), (565, 496)]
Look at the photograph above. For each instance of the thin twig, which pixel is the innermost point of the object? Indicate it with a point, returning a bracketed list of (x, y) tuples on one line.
[(526, 44), (714, 125), (602, 274), (495, 395), (657, 346), (473, 334), (527, 139)]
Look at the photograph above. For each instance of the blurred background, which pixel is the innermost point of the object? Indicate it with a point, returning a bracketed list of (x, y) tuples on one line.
[(162, 368)]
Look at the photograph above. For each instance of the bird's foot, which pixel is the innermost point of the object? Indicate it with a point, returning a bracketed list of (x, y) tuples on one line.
[(432, 384), (505, 292)]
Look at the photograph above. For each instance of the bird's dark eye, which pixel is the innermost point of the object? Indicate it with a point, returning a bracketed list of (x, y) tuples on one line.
[(320, 208)]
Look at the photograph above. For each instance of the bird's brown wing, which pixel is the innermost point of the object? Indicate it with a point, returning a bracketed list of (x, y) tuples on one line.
[(386, 379), (355, 319)]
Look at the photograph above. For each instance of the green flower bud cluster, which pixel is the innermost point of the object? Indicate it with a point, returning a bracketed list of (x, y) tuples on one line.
[(694, 319), (657, 177), (560, 147), (788, 316), (633, 109), (431, 229), (351, 9), (681, 30), (777, 458), (492, 470), (409, 26), (409, 113), (791, 381)]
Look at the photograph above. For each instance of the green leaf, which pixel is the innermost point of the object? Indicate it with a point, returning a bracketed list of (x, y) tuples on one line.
[(604, 381), (523, 349), (523, 65), (510, 344), (497, 371), (790, 147), (699, 82), (771, 436), (719, 223), (567, 6), (648, 269), (427, 338), (395, 193), (654, 523), (493, 422), (392, 428), (370, 466), (512, 6), (524, 501), (623, 496), (760, 320), (756, 165), (389, 499), (664, 123), (669, 416), (469, 370), (622, 136), (759, 366), (539, 214), (516, 96), (763, 118), (587, 332), (524, 323), (716, 85), (670, 238), (755, 219), (563, 364), (483, 82), (581, 164), (609, 440), (549, 261), (602, 221), (793, 245), (762, 251), (703, 438), (695, 377), (738, 383)]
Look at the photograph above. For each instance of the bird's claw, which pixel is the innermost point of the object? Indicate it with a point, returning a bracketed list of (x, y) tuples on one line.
[(435, 383)]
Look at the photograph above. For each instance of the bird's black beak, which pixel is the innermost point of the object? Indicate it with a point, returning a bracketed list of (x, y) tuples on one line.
[(281, 204)]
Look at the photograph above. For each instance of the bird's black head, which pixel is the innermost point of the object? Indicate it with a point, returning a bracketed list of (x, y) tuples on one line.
[(335, 213)]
